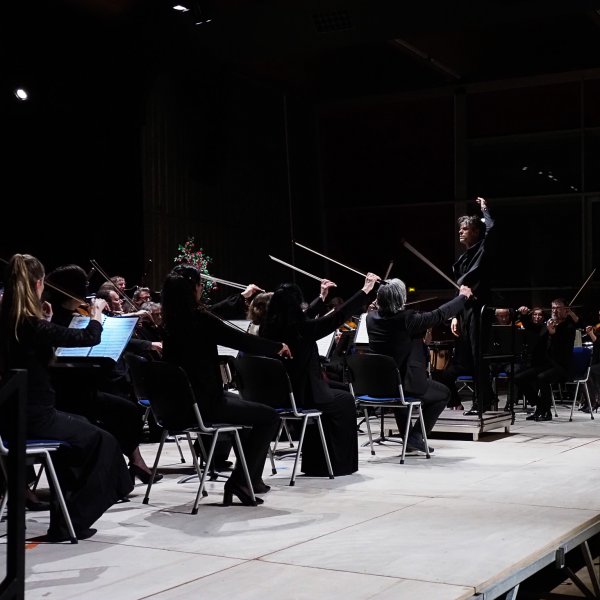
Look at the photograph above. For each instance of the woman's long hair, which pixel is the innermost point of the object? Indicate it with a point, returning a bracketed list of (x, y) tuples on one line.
[(284, 313), (258, 307), (20, 300), (178, 296)]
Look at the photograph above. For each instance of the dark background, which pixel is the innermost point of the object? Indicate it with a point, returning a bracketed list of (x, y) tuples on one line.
[(346, 125)]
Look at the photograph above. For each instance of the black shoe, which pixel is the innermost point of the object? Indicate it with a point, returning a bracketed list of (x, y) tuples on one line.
[(545, 417), (415, 445), (61, 535), (142, 474), (241, 492), (532, 417), (260, 487), (225, 465)]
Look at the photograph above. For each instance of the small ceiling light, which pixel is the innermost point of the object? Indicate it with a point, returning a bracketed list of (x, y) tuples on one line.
[(181, 8), (21, 94), (524, 168)]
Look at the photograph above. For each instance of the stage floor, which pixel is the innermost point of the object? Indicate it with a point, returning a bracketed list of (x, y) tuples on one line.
[(465, 522)]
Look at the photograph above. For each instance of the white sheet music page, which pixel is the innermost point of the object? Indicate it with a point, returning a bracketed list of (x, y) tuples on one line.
[(116, 333), (325, 343), (362, 335), (238, 324)]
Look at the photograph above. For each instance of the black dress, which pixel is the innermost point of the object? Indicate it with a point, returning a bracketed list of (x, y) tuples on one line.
[(311, 391), (92, 471)]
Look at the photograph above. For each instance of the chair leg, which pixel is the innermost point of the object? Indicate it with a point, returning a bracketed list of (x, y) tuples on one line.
[(287, 433), (325, 449), (163, 437), (205, 472), (300, 443), (408, 424), (589, 399), (182, 458), (367, 420), (575, 395), (51, 473), (422, 421), (5, 496), (553, 401)]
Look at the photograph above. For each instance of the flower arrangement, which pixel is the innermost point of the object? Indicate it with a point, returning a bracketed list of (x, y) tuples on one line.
[(188, 254)]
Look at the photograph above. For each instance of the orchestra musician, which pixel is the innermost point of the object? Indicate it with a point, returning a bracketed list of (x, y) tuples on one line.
[(117, 412), (554, 367), (285, 320), (191, 335), (399, 332), (91, 470), (593, 332)]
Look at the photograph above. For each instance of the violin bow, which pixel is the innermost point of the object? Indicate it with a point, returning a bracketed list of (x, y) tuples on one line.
[(107, 278), (282, 262), (232, 284), (429, 263), (581, 288), (330, 259), (389, 270)]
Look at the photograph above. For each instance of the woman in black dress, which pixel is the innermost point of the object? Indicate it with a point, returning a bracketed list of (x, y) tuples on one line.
[(285, 320), (91, 471), (191, 335)]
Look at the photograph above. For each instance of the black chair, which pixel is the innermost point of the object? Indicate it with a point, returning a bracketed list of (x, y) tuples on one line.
[(375, 383), (175, 408), (265, 380), (135, 365)]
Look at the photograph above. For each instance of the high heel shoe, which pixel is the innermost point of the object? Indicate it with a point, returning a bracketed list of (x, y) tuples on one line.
[(260, 487), (241, 492), (142, 475)]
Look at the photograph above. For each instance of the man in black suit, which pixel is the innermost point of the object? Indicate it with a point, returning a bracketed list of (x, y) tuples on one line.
[(399, 333)]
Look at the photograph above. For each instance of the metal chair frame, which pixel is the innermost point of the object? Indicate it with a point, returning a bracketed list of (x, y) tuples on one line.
[(263, 379), (377, 384)]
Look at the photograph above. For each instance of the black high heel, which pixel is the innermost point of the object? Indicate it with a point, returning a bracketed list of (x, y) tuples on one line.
[(241, 492), (142, 475)]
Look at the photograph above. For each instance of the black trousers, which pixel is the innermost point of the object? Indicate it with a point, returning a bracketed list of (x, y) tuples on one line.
[(538, 379), (433, 402), (255, 441), (92, 472)]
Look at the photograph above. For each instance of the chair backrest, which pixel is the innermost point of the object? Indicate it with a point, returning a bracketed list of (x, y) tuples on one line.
[(265, 380), (374, 375), (581, 360), (135, 365), (172, 399)]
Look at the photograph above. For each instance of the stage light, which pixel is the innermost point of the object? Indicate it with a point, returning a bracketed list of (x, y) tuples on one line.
[(21, 94)]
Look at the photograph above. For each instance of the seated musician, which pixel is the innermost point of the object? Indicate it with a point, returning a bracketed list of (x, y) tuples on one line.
[(110, 402), (593, 332), (91, 470), (287, 321), (553, 366), (399, 333)]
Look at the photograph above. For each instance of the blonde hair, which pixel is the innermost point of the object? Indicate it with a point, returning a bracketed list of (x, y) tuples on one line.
[(21, 300)]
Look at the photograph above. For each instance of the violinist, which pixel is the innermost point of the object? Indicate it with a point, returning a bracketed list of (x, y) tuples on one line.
[(191, 337), (109, 394), (399, 333), (593, 332), (287, 321), (91, 470), (554, 366)]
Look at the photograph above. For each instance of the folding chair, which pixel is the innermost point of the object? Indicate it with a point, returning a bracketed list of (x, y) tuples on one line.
[(265, 380), (176, 410), (38, 452), (375, 382), (579, 373), (135, 364)]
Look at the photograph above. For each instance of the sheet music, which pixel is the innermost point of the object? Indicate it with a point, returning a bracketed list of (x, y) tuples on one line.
[(116, 333), (325, 343), (362, 336), (244, 325)]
